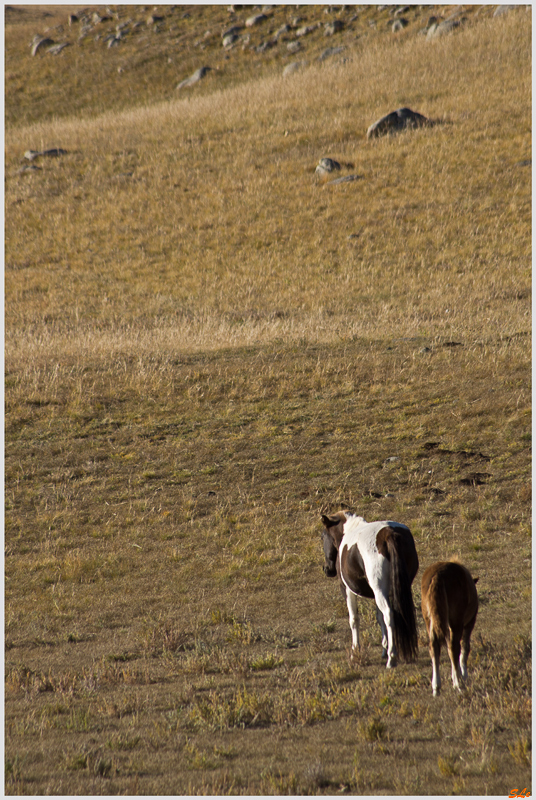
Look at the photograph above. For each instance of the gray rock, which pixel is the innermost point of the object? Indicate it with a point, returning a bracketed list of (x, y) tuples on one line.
[(502, 10), (295, 66), (333, 27), (282, 31), (328, 165), (198, 75), (57, 48), (442, 28), (399, 25), (39, 43), (306, 30), (53, 152), (331, 51), (234, 31), (396, 121), (256, 20), (294, 47), (28, 168), (230, 40), (345, 179)]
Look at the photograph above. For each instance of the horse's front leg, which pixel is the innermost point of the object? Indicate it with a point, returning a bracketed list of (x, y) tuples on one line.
[(351, 602)]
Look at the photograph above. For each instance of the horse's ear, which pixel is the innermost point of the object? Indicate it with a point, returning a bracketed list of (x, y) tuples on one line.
[(329, 522), (475, 580)]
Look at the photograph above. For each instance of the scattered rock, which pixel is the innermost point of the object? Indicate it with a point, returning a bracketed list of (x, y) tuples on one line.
[(397, 121), (193, 79), (57, 48), (284, 29), (28, 168), (399, 24), (295, 66), (234, 31), (264, 46), (230, 40), (442, 28), (39, 43), (294, 47), (502, 10), (54, 152), (306, 30), (331, 51), (256, 20), (325, 166), (345, 179), (333, 27)]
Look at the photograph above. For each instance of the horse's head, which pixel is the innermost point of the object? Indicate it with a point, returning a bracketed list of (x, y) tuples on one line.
[(331, 539)]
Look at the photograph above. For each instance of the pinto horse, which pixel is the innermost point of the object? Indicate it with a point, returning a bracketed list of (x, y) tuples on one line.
[(449, 605), (376, 560)]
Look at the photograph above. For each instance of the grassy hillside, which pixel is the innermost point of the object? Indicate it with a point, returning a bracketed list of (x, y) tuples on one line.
[(207, 345)]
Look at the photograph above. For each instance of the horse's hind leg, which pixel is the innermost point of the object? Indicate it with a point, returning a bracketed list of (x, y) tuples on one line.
[(381, 623), (351, 602), (385, 610), (454, 646)]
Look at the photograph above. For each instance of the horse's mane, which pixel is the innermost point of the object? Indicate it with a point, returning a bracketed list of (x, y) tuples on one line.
[(353, 521)]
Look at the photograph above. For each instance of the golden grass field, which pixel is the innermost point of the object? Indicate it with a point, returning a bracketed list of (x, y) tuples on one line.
[(206, 347)]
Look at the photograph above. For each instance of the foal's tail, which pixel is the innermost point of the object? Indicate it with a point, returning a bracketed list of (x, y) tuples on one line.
[(402, 606), (438, 611)]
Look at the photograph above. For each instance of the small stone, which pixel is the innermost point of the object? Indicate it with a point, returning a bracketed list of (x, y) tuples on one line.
[(57, 48), (294, 47), (333, 27), (229, 40), (331, 51), (345, 179), (193, 79), (234, 31), (306, 30), (442, 28), (256, 20), (399, 25), (328, 164), (39, 43), (295, 66)]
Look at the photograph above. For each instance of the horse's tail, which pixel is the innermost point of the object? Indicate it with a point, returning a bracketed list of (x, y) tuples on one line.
[(402, 606)]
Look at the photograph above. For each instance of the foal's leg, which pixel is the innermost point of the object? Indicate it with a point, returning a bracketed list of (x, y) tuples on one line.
[(351, 602), (466, 647), (454, 646), (435, 654), (381, 623)]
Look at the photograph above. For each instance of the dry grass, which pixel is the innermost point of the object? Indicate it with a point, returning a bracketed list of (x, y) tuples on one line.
[(205, 348)]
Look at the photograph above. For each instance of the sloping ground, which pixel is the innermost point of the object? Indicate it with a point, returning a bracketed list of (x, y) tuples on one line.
[(120, 57), (207, 346)]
